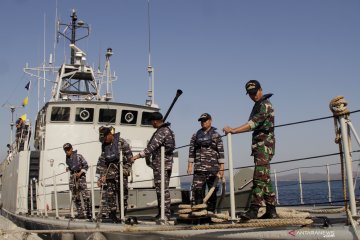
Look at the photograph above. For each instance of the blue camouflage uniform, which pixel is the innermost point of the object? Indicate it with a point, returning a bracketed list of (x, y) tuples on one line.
[(76, 163), (206, 151), (163, 136), (108, 164)]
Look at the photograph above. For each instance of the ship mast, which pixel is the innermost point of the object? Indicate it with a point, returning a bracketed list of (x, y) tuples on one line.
[(75, 81), (74, 26), (109, 78)]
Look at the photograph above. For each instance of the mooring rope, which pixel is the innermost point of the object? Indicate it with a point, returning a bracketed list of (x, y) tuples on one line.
[(338, 107), (329, 211), (353, 225), (257, 223)]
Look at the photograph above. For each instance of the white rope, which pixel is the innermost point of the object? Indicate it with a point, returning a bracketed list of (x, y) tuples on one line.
[(353, 224)]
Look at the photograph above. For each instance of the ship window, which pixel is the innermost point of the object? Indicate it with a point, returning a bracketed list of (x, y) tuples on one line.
[(107, 115), (84, 115), (145, 119), (128, 117), (60, 114)]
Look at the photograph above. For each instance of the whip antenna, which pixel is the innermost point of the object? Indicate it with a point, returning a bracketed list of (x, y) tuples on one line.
[(151, 96)]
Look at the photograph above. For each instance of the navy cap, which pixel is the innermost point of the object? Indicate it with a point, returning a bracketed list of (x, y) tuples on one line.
[(252, 87), (156, 116), (105, 130), (67, 146), (204, 117)]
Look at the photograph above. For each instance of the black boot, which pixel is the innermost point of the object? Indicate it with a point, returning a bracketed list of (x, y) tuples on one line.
[(211, 204), (251, 213), (113, 217), (270, 212), (88, 212), (199, 197)]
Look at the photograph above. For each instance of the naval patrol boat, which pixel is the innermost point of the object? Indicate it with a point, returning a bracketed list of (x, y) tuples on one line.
[(75, 112)]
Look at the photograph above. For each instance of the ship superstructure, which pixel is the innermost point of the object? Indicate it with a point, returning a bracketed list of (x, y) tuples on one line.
[(74, 113)]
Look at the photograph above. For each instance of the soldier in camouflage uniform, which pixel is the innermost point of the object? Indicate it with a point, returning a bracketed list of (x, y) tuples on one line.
[(163, 136), (261, 121), (206, 152), (78, 167), (107, 170), (20, 135)]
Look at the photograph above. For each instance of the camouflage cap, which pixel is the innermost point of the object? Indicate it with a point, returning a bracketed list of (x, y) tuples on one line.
[(252, 87)]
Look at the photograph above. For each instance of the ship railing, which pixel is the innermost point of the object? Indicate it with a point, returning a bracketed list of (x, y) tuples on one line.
[(51, 182), (300, 181)]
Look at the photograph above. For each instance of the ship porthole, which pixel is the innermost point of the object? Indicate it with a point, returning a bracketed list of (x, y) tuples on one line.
[(84, 114), (129, 117)]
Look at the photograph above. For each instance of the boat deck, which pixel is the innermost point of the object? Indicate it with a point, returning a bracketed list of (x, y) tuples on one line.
[(319, 225)]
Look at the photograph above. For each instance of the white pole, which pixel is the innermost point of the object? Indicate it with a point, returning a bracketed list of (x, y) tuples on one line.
[(31, 198), (162, 208), (92, 190), (71, 203), (44, 63), (45, 199), (55, 196), (348, 163), (300, 187), (37, 197), (276, 188), (328, 182), (122, 210), (354, 132), (153, 87), (231, 177)]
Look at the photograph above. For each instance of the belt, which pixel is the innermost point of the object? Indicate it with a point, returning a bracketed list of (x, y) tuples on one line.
[(76, 171)]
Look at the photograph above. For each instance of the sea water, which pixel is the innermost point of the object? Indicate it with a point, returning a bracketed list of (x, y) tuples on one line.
[(313, 192)]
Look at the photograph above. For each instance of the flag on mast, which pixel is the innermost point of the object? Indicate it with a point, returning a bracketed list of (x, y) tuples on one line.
[(27, 86), (25, 101)]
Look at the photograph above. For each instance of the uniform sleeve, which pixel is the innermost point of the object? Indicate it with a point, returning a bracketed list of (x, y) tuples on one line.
[(100, 167), (83, 163), (127, 153), (155, 143), (260, 116), (192, 150), (220, 148)]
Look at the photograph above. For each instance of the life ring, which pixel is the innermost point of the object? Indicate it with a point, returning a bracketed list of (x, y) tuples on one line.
[(129, 117), (84, 114)]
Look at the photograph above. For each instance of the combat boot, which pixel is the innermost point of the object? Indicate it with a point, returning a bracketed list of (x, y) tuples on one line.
[(270, 212), (113, 217), (198, 198), (89, 216), (251, 213), (211, 204)]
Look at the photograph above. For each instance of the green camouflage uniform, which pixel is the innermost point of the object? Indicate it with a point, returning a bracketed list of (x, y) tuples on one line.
[(261, 121)]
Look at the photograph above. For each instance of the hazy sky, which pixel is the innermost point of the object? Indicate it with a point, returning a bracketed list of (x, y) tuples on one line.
[(305, 52)]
